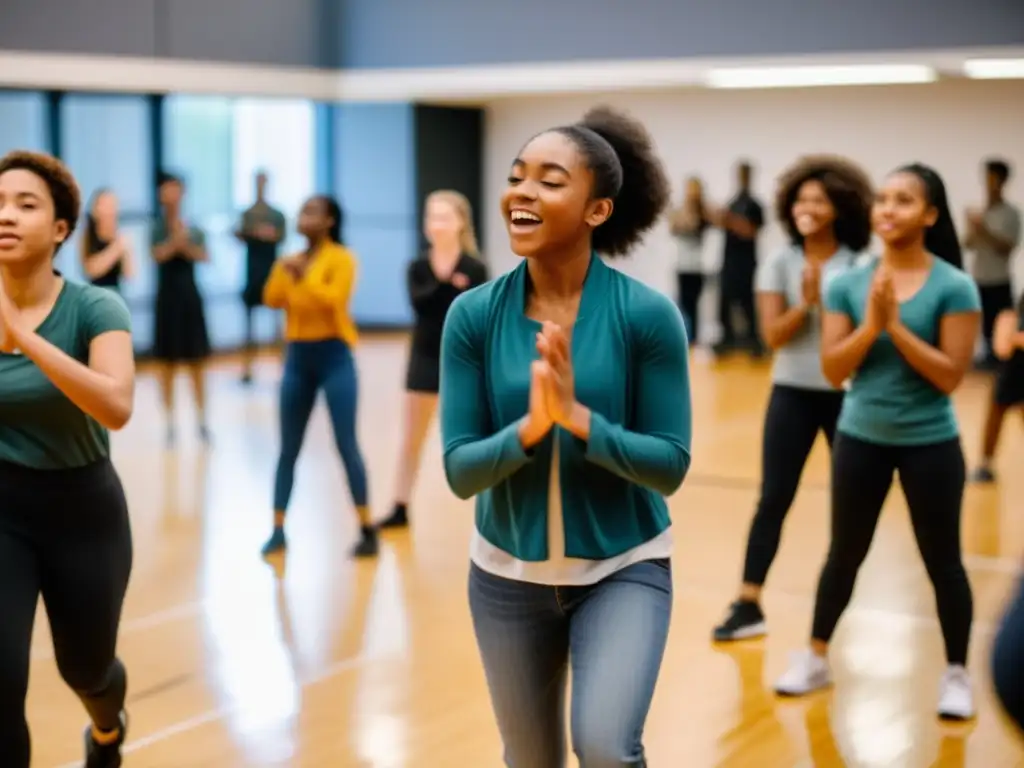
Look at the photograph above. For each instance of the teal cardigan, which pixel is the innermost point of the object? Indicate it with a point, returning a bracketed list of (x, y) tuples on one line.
[(631, 369)]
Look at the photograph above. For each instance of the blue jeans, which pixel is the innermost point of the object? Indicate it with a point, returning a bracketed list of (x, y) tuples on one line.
[(1008, 659), (310, 366), (613, 635)]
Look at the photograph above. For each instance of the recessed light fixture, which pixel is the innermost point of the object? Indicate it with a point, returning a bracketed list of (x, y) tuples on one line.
[(820, 76), (994, 69)]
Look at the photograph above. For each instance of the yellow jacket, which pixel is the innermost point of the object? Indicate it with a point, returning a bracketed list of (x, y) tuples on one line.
[(316, 305)]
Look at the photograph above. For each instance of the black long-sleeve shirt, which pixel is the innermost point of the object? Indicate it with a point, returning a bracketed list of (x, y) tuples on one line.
[(431, 298)]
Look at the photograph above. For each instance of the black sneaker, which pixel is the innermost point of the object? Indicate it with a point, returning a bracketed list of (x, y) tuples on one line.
[(745, 621), (983, 475), (276, 543), (105, 755), (367, 546), (399, 518)]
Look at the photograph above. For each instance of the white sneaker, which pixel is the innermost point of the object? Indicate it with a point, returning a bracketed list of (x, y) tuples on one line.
[(956, 699), (808, 672)]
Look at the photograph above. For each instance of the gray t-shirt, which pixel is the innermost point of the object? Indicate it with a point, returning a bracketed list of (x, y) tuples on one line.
[(990, 267), (798, 363)]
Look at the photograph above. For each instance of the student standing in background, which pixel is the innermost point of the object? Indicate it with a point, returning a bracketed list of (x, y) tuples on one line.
[(314, 288), (824, 204), (992, 235), (262, 230), (901, 328), (104, 250), (180, 335), (450, 266), (688, 224), (741, 221)]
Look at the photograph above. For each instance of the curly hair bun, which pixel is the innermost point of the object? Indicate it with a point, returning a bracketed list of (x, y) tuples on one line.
[(644, 192)]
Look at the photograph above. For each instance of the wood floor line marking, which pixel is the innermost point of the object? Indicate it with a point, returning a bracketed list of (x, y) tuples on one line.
[(141, 623), (219, 713), (989, 563)]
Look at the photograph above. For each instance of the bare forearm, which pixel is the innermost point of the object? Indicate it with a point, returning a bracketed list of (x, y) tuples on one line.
[(843, 358), (98, 395), (932, 363), (195, 252), (994, 240), (780, 331), (98, 264), (163, 252)]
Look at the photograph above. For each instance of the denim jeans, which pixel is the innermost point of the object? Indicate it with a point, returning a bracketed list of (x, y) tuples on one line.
[(611, 634), (310, 366), (1008, 659)]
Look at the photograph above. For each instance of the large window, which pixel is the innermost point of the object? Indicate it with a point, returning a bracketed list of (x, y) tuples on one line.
[(279, 137), (105, 140), (218, 144), (22, 121), (197, 145)]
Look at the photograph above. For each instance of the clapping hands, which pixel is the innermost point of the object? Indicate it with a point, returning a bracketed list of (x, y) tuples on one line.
[(556, 355), (8, 321), (882, 308), (810, 285), (552, 388)]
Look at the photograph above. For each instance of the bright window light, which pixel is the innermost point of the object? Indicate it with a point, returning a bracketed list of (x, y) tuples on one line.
[(808, 76)]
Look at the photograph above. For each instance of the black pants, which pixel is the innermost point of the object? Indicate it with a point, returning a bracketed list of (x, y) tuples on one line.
[(994, 299), (1008, 659), (932, 477), (736, 289), (791, 425), (691, 285), (64, 534)]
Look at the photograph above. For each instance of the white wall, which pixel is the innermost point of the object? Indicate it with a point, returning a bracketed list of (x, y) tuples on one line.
[(951, 125)]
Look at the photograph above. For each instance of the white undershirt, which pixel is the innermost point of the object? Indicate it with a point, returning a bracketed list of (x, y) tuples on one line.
[(559, 570)]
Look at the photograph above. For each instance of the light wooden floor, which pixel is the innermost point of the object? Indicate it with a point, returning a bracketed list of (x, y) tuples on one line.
[(373, 664)]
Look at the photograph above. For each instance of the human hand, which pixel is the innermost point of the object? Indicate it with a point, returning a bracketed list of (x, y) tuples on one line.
[(266, 232), (810, 286), (538, 421), (459, 280), (180, 234), (553, 346), (880, 300), (295, 265), (9, 322)]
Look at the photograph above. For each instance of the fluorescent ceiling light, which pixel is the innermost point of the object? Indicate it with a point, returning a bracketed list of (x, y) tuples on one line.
[(809, 76), (994, 69)]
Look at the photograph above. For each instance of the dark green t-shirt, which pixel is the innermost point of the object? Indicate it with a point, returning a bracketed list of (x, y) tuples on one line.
[(39, 426)]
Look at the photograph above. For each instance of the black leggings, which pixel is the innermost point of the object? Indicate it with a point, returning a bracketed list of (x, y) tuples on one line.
[(791, 425), (691, 285), (64, 534), (932, 477), (1008, 659)]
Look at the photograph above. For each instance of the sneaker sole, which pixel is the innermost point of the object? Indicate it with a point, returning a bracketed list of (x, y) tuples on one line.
[(952, 717), (796, 695), (743, 633)]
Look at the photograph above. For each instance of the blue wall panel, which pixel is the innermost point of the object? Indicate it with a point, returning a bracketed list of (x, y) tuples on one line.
[(400, 33), (375, 181)]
